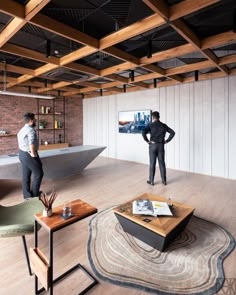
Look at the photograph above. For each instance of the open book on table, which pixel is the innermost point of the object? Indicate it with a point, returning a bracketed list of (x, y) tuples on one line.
[(154, 208)]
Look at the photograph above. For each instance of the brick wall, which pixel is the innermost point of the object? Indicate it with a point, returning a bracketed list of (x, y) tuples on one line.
[(12, 109)]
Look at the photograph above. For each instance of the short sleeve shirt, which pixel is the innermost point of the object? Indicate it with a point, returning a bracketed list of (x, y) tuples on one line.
[(26, 136)]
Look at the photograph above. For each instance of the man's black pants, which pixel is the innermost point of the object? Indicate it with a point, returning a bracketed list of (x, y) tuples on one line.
[(31, 165), (156, 150)]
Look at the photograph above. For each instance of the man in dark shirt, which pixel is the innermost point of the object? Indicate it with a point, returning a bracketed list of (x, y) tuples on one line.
[(158, 130)]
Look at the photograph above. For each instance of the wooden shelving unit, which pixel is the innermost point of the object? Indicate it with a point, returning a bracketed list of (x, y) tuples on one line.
[(56, 114)]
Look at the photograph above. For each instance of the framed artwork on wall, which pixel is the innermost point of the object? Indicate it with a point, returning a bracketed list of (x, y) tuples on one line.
[(133, 122)]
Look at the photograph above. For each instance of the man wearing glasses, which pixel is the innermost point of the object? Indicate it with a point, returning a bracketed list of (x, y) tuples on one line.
[(28, 155)]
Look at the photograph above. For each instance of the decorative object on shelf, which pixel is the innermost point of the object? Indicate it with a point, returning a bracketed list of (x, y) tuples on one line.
[(47, 110), (59, 124), (42, 109), (42, 124), (47, 202), (56, 124), (59, 138), (46, 143), (3, 132)]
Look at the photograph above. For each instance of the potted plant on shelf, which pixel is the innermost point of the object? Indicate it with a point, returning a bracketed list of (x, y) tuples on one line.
[(42, 124)]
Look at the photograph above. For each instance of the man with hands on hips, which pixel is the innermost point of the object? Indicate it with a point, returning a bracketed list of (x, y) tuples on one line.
[(157, 131), (28, 155)]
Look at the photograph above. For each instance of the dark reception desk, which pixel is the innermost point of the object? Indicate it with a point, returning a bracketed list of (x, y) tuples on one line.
[(57, 163)]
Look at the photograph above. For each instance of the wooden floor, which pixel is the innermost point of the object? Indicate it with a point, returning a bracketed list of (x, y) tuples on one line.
[(104, 183)]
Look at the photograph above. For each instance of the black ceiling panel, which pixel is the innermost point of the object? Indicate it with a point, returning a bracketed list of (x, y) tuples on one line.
[(97, 18), (100, 60), (22, 1), (189, 60), (172, 2), (62, 74), (8, 58), (27, 63), (101, 80), (36, 38), (4, 19), (162, 38), (231, 66), (212, 20)]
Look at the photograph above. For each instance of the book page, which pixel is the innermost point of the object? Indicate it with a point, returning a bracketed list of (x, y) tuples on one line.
[(161, 208), (143, 207)]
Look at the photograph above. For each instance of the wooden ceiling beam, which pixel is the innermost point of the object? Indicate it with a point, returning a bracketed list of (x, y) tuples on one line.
[(81, 68), (158, 6), (16, 69), (9, 31), (135, 88), (8, 79), (227, 59), (176, 78), (167, 54), (141, 84), (28, 53), (53, 86), (180, 27), (44, 69), (116, 52), (133, 30), (111, 84), (189, 68), (115, 89), (90, 84), (117, 68), (31, 8), (77, 54), (64, 30), (118, 78), (218, 40), (154, 69)]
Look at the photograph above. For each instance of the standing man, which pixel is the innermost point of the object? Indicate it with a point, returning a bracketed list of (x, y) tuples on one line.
[(28, 155), (158, 130)]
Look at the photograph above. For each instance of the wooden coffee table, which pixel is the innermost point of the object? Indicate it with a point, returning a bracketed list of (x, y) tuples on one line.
[(157, 232)]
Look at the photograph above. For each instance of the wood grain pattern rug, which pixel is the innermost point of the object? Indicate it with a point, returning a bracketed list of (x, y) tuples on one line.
[(193, 263)]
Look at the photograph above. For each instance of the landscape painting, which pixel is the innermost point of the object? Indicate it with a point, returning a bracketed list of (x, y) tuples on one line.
[(134, 121)]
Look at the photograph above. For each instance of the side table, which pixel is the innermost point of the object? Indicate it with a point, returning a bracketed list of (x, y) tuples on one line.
[(43, 267)]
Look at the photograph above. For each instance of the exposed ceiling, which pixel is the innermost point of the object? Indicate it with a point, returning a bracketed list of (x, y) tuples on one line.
[(88, 48)]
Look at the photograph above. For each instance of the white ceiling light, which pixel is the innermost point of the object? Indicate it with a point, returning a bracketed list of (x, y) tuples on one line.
[(4, 92)]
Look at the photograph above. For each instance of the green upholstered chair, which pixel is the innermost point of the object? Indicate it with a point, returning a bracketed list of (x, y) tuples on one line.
[(18, 220)]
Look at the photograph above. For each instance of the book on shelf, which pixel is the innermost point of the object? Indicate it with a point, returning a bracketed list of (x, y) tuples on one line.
[(153, 208)]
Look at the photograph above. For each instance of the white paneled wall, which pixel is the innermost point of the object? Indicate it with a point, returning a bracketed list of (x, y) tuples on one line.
[(203, 115)]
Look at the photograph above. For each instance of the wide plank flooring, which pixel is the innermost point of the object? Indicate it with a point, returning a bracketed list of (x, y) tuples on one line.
[(107, 182)]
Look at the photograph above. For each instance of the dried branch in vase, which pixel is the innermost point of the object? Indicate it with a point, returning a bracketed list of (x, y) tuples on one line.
[(47, 200)]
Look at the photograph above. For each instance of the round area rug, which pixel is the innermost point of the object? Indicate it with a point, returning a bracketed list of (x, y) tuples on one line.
[(193, 263)]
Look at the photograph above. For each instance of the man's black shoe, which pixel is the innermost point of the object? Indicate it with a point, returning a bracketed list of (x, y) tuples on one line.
[(150, 182), (164, 182)]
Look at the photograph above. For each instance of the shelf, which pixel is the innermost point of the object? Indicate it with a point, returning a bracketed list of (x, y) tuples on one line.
[(49, 129), (40, 266), (52, 114), (7, 135)]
